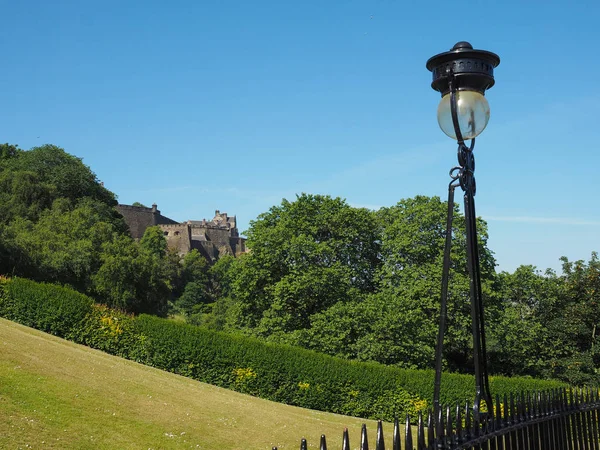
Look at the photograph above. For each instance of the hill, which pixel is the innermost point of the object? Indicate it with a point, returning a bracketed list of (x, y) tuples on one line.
[(57, 394)]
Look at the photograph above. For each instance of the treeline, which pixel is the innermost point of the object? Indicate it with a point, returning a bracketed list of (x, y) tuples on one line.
[(349, 282), (365, 285)]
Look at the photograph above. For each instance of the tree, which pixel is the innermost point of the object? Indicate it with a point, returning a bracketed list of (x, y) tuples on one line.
[(193, 286), (382, 328), (154, 243), (66, 173), (305, 256), (62, 246), (134, 277), (572, 321), (516, 344), (7, 151), (412, 247)]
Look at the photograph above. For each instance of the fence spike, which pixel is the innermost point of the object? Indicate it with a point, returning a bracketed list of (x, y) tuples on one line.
[(498, 413), (439, 425), (594, 418), (396, 438), (587, 394), (364, 440), (448, 435), (408, 441), (467, 433), (303, 445), (346, 440), (430, 428), (459, 429), (420, 433), (379, 444), (323, 445)]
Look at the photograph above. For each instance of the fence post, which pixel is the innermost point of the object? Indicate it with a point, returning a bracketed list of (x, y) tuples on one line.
[(345, 440), (380, 444), (364, 440), (323, 445), (408, 440), (396, 438)]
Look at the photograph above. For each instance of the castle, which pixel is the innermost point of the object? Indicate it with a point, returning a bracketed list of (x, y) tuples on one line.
[(212, 239)]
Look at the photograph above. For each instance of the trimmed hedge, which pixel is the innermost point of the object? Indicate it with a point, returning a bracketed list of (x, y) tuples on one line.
[(47, 307), (281, 373)]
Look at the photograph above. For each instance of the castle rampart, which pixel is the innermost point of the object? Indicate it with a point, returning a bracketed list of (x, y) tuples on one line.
[(138, 218), (212, 238)]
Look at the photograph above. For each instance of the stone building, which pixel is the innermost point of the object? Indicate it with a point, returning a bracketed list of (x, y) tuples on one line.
[(212, 239)]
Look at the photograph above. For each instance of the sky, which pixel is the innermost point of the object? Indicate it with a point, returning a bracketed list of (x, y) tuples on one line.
[(235, 105)]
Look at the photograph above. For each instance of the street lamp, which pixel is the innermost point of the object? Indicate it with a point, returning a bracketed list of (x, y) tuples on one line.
[(462, 75)]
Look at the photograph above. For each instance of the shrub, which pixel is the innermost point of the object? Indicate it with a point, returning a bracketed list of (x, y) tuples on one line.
[(109, 330), (302, 377), (54, 309)]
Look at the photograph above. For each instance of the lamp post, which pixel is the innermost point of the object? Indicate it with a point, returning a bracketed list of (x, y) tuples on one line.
[(462, 75)]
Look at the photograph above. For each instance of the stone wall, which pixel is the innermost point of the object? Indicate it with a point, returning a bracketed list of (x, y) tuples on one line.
[(178, 237), (138, 218)]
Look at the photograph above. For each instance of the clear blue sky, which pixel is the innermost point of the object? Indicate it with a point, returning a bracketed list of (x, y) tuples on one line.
[(234, 105)]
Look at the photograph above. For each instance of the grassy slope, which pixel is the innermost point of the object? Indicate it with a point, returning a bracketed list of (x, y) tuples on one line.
[(56, 394)]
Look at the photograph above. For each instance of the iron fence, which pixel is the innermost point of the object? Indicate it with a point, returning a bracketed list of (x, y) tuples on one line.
[(559, 419)]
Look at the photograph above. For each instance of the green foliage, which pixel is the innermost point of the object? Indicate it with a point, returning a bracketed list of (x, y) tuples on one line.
[(132, 277), (47, 307), (192, 286), (194, 295), (305, 256), (64, 175), (548, 323), (54, 216), (109, 330), (153, 242), (413, 240), (298, 376), (63, 245), (7, 151), (221, 275)]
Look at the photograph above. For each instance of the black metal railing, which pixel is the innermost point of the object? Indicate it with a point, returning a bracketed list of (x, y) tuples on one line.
[(559, 419)]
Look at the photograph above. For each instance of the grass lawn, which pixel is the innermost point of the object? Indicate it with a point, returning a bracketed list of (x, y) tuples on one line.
[(57, 394)]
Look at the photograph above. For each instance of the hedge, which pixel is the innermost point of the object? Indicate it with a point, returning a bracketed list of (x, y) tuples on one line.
[(47, 307), (281, 373)]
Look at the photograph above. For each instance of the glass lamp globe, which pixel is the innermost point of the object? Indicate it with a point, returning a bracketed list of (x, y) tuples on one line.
[(473, 112)]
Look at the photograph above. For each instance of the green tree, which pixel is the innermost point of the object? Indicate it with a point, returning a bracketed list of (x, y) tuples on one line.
[(134, 277), (62, 246), (517, 343), (412, 247), (67, 174), (193, 287), (572, 320), (305, 256), (154, 243), (7, 151), (382, 328)]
